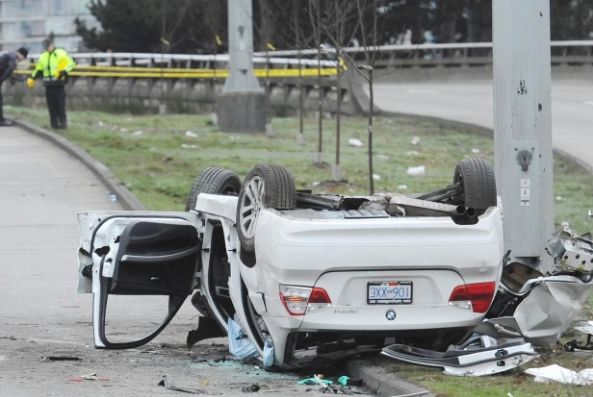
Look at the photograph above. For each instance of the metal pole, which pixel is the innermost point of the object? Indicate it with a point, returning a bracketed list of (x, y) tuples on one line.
[(522, 126), (242, 104)]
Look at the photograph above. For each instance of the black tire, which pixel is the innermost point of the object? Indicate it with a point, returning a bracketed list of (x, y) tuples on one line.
[(277, 186), (477, 184), (213, 180)]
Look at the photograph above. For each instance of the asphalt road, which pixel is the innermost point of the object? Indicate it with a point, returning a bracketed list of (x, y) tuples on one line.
[(572, 108), (45, 327)]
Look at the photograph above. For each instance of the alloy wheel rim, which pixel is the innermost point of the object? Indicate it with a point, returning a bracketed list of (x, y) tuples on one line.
[(250, 206)]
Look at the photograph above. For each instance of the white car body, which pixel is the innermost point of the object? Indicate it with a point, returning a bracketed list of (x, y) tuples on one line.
[(320, 249)]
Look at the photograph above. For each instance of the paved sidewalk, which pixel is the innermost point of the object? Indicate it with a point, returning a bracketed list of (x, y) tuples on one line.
[(572, 108)]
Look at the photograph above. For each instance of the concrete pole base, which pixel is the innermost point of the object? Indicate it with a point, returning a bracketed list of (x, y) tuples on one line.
[(317, 158), (300, 139), (241, 112), (336, 173)]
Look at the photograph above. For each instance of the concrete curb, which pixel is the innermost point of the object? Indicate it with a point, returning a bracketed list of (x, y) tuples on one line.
[(383, 383), (124, 196)]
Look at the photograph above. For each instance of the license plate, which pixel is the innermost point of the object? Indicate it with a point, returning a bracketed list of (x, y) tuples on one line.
[(389, 293)]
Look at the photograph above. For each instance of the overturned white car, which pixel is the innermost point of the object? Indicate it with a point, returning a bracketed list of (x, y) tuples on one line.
[(306, 274)]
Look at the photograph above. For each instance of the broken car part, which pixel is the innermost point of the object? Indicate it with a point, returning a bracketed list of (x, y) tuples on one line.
[(480, 355)]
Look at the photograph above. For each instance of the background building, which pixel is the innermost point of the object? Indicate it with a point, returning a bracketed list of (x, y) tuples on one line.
[(28, 22)]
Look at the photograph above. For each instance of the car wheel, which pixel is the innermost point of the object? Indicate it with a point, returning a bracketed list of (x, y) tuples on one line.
[(477, 184), (213, 180), (266, 186)]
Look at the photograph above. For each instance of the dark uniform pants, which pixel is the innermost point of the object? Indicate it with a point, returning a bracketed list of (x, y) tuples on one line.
[(56, 104)]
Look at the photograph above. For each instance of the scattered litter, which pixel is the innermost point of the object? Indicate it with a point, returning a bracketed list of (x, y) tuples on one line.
[(189, 134), (556, 373), (169, 384), (475, 151), (239, 344), (376, 177), (347, 381), (268, 354), (112, 197), (61, 358), (88, 377), (123, 130), (402, 187), (412, 153), (574, 346), (415, 140), (100, 123), (383, 157), (316, 183), (416, 171), (254, 388), (315, 380), (354, 142), (186, 146), (138, 133), (559, 198)]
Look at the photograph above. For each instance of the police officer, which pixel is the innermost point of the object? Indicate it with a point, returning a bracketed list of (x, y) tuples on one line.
[(8, 61), (54, 65)]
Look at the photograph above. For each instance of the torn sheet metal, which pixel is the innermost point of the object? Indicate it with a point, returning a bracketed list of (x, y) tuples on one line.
[(548, 309), (571, 252), (480, 355), (556, 373)]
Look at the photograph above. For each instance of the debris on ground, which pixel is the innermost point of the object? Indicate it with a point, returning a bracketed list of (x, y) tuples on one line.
[(60, 358), (574, 346), (169, 384), (402, 187), (478, 356), (138, 133), (475, 151), (190, 134), (254, 388), (415, 140), (557, 373), (376, 177), (239, 344), (315, 380), (88, 377), (186, 146), (412, 153), (354, 142), (348, 381), (416, 171)]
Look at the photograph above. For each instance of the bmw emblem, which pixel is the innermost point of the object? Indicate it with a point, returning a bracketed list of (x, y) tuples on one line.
[(390, 315)]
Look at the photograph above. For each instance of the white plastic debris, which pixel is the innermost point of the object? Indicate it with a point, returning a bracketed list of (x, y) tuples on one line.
[(416, 171), (559, 198), (239, 344), (586, 328), (186, 146), (557, 373), (354, 142), (476, 150), (100, 123), (316, 183), (123, 130), (412, 153), (415, 140), (137, 133), (190, 134), (402, 187), (376, 177)]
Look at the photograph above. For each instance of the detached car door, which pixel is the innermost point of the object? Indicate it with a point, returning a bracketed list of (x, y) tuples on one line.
[(137, 253)]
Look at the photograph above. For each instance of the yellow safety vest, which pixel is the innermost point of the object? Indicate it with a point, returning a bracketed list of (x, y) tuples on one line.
[(52, 63)]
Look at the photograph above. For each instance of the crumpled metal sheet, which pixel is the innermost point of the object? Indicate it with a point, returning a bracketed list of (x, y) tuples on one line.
[(556, 373), (548, 310)]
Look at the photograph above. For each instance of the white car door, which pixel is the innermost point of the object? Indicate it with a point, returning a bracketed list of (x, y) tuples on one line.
[(137, 253)]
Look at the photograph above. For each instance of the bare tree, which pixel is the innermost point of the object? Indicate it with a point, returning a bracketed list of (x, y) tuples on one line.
[(315, 16)]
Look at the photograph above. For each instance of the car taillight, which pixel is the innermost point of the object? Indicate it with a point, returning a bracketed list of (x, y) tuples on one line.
[(476, 297), (299, 300)]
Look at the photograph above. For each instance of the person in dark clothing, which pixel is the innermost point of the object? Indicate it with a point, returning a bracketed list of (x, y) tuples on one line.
[(8, 61), (54, 65)]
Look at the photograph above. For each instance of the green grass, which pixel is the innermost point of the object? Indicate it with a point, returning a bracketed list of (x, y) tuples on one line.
[(159, 170), (160, 164)]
